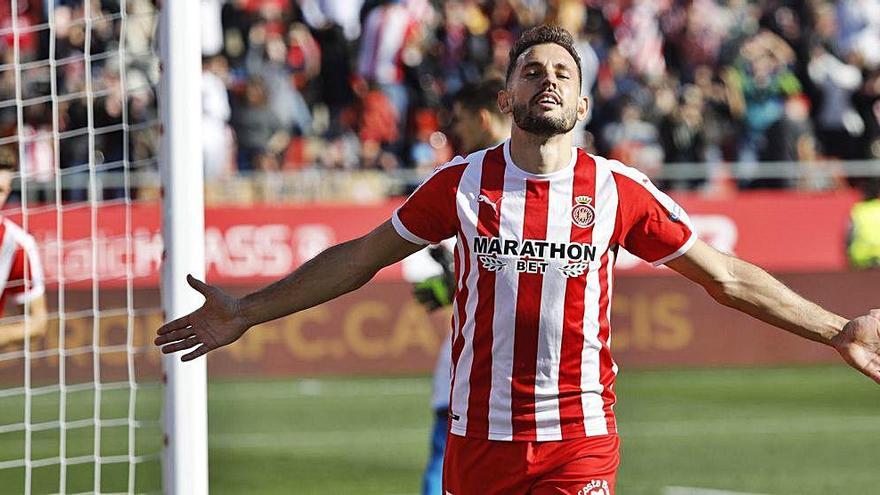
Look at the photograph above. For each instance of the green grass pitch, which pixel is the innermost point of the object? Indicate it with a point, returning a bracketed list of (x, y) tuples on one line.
[(794, 430)]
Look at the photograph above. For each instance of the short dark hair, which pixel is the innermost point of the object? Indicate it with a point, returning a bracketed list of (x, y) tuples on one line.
[(540, 35), (480, 95)]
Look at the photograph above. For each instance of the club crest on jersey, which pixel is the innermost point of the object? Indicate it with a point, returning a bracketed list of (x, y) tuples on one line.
[(582, 213), (595, 487)]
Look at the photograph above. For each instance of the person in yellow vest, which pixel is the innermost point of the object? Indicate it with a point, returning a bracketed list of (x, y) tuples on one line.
[(863, 243)]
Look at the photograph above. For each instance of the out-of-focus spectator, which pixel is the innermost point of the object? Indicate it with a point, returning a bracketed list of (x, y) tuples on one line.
[(378, 129), (29, 13), (759, 82), (863, 241), (216, 112), (859, 22), (267, 60), (839, 125), (38, 159), (390, 31), (868, 99), (635, 141), (212, 27), (321, 14), (257, 127), (683, 131)]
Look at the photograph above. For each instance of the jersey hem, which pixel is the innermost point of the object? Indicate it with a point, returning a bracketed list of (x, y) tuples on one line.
[(507, 437), (678, 252)]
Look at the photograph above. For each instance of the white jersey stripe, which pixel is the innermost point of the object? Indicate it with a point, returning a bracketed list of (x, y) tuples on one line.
[(466, 205), (7, 254), (513, 206), (550, 328), (606, 214)]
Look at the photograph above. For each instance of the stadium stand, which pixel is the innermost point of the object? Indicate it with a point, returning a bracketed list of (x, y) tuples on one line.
[(365, 84)]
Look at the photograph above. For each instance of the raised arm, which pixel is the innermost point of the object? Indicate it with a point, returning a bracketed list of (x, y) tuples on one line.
[(747, 288), (223, 319)]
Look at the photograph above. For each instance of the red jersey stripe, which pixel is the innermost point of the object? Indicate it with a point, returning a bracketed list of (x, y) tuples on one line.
[(528, 311), (570, 410)]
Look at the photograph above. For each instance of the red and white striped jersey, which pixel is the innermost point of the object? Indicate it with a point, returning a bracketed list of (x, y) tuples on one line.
[(21, 273), (531, 336)]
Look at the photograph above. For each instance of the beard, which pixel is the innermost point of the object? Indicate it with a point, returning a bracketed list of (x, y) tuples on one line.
[(542, 124)]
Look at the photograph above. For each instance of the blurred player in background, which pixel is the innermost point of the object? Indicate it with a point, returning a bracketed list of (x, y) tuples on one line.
[(477, 123), (21, 274), (863, 241), (539, 224)]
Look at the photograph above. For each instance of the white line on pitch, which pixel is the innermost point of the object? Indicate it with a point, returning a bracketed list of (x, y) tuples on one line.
[(317, 439), (689, 490)]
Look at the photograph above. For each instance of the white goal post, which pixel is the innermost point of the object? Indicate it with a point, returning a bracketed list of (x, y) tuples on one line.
[(185, 466)]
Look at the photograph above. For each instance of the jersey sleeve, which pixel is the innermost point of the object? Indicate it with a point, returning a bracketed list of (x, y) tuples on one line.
[(25, 280), (429, 215), (652, 225)]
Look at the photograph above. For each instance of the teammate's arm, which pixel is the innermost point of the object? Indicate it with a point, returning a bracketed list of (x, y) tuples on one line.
[(11, 333), (223, 319), (747, 288)]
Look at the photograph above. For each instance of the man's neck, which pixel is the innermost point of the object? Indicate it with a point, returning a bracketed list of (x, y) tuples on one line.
[(538, 154)]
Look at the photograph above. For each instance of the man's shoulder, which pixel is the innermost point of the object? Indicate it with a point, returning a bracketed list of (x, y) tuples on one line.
[(459, 163), (617, 167)]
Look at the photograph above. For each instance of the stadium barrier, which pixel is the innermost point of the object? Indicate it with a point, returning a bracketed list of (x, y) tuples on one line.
[(250, 245), (315, 184), (658, 319)]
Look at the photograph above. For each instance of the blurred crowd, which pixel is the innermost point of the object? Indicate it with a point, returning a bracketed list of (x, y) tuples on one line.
[(86, 80), (367, 84)]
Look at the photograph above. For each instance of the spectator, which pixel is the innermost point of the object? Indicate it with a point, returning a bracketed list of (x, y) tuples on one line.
[(635, 141), (682, 132), (863, 241), (839, 125), (389, 32), (216, 112), (758, 85), (267, 60), (257, 127)]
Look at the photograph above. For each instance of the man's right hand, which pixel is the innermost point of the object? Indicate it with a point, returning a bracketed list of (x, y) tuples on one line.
[(217, 323)]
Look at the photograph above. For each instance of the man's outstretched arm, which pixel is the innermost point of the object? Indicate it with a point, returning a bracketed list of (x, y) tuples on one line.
[(747, 288), (223, 319)]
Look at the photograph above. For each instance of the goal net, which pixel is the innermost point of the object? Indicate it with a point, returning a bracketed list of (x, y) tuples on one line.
[(80, 393)]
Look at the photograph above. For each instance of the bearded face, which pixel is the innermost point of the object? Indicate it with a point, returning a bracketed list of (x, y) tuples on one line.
[(535, 118), (544, 91)]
